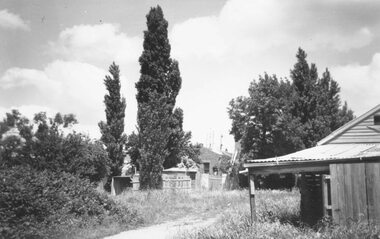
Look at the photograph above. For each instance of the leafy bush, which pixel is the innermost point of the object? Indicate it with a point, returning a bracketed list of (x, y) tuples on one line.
[(40, 204), (49, 148)]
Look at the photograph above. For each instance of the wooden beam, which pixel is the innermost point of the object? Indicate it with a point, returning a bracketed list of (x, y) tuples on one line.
[(289, 169), (309, 163), (252, 202)]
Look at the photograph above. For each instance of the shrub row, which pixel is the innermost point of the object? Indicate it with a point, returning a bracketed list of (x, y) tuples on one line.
[(43, 204)]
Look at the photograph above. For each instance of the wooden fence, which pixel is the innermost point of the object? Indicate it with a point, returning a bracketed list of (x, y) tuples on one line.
[(215, 182), (184, 182), (176, 182)]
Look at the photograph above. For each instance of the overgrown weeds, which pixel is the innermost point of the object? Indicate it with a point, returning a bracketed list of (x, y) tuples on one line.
[(278, 217), (160, 206)]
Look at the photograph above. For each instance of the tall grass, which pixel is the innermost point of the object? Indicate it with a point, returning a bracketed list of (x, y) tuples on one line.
[(278, 217), (160, 206)]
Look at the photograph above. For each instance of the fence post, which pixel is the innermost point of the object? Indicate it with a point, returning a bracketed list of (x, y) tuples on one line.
[(252, 196)]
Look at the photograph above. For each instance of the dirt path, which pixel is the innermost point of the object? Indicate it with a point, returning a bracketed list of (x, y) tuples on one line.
[(165, 230)]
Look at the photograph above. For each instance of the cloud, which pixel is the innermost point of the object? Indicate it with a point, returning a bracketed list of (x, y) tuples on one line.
[(70, 87), (360, 84), (73, 82), (22, 77), (66, 87), (99, 45), (219, 55), (10, 20), (245, 27)]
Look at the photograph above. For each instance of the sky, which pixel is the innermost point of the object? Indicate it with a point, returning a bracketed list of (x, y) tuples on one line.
[(54, 54)]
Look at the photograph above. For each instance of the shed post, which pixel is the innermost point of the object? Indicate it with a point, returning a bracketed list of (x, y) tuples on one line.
[(252, 196), (113, 191)]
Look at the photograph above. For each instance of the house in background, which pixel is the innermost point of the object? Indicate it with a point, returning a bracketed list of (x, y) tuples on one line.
[(206, 175), (211, 160), (340, 177)]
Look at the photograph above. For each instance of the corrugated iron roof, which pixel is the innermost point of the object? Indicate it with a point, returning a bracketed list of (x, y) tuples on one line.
[(327, 152)]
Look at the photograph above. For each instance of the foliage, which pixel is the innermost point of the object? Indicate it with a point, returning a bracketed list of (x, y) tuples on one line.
[(262, 121), (112, 130), (179, 145), (224, 164), (154, 135), (317, 102), (46, 204), (280, 117), (47, 148), (132, 146), (157, 89)]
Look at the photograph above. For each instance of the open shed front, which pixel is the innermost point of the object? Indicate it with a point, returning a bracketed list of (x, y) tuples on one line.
[(314, 189), (341, 181)]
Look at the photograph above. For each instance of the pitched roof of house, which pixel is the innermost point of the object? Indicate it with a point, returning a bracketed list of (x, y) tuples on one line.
[(212, 155), (349, 125)]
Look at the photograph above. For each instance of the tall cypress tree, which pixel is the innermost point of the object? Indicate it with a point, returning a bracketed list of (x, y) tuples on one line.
[(112, 130), (157, 90)]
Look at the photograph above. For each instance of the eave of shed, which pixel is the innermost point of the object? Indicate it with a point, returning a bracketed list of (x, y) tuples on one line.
[(316, 159)]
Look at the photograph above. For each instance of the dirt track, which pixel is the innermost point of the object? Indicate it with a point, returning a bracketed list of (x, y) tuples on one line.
[(165, 230)]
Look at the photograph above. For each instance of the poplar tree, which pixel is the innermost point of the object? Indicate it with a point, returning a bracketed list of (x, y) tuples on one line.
[(112, 130), (157, 90)]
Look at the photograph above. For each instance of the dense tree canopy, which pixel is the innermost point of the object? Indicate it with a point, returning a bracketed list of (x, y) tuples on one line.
[(280, 117), (262, 122)]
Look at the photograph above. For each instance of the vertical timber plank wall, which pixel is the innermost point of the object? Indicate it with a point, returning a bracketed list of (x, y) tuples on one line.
[(358, 192), (348, 192), (335, 194), (373, 191)]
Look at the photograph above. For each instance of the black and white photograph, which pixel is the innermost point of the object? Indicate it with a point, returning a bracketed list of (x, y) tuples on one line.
[(189, 119)]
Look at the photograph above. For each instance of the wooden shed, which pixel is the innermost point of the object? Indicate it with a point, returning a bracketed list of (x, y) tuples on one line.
[(180, 174), (340, 176)]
